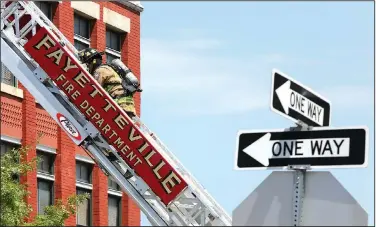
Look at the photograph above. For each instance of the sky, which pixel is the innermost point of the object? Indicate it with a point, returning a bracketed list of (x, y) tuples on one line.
[(206, 73)]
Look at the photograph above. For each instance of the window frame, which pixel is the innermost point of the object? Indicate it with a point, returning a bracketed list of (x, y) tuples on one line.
[(15, 144), (89, 170), (43, 176), (51, 158), (79, 38), (85, 187), (110, 182), (8, 146), (120, 35), (14, 81), (52, 195), (90, 205), (119, 208), (110, 51), (50, 8)]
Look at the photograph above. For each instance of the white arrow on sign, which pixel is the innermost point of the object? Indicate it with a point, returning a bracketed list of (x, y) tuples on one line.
[(291, 99), (264, 149)]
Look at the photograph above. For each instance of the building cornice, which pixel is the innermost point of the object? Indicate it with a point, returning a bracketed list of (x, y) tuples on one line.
[(135, 5)]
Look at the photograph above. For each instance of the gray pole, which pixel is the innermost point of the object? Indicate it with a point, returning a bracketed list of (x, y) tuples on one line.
[(299, 181)]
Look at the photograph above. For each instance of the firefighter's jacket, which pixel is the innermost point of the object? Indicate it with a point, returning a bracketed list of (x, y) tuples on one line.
[(111, 83)]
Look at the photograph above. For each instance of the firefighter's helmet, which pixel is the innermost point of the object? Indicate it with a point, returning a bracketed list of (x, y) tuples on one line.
[(89, 54)]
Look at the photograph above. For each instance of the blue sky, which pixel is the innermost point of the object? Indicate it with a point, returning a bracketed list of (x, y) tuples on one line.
[(206, 73)]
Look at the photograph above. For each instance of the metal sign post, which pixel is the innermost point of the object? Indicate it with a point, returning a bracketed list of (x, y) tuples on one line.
[(299, 180)]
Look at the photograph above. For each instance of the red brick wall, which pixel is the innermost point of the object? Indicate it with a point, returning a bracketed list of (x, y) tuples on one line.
[(100, 198), (23, 118), (29, 136), (98, 34), (64, 19), (11, 116), (47, 127)]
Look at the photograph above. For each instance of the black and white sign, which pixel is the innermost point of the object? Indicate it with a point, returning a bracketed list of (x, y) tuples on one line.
[(297, 102), (322, 147)]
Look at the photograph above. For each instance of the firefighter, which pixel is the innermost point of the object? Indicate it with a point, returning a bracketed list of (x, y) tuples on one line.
[(115, 78)]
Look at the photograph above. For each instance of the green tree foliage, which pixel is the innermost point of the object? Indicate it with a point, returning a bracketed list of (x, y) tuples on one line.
[(14, 209)]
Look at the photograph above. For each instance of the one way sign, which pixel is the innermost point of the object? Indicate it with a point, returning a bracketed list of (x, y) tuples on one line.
[(296, 102), (322, 147)]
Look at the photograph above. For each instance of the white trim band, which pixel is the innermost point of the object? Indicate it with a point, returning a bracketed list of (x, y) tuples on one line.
[(89, 8), (45, 176), (10, 139), (135, 5), (116, 193), (82, 39), (11, 90), (113, 52), (46, 149), (84, 185), (116, 20), (84, 159)]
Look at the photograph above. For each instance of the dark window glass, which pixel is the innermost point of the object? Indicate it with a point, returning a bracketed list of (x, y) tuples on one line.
[(81, 26), (113, 40), (110, 57), (6, 147), (114, 210), (83, 172), (83, 215), (80, 45), (45, 194), (113, 185), (46, 163), (45, 7), (7, 77)]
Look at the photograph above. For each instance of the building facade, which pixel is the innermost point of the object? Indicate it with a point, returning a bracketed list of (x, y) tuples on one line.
[(66, 169)]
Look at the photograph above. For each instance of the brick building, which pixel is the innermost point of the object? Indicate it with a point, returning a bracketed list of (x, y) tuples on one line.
[(66, 169)]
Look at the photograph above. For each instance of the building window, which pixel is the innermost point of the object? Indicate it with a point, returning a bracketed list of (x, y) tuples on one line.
[(110, 57), (7, 77), (45, 194), (83, 217), (114, 210), (6, 147), (113, 185), (45, 7), (45, 164), (45, 180), (81, 32), (114, 41), (83, 172), (80, 45), (83, 183)]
